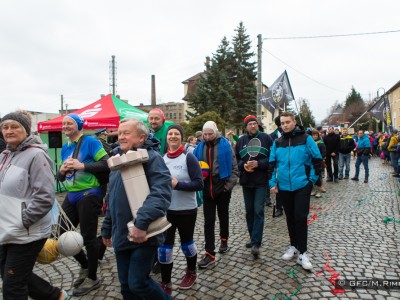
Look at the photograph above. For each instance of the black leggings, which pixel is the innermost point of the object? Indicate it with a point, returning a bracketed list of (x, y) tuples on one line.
[(85, 213), (185, 224)]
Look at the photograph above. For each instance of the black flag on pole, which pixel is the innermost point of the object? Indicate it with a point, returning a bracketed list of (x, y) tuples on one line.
[(378, 110), (279, 94), (381, 111)]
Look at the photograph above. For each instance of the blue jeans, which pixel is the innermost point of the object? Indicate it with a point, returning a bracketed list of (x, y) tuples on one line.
[(254, 202), (364, 160), (344, 159), (16, 264), (134, 266)]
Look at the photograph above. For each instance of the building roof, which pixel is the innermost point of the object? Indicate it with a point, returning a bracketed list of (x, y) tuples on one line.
[(393, 87), (194, 77)]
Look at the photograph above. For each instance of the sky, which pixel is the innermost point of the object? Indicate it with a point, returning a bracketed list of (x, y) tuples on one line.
[(52, 48)]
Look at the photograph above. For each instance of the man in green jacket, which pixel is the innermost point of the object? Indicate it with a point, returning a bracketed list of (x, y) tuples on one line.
[(158, 128)]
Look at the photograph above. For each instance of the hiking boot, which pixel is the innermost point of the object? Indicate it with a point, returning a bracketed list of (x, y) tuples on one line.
[(206, 260), (278, 213), (166, 287), (83, 273), (304, 261), (86, 286), (366, 181), (248, 244), (354, 178), (255, 250), (223, 246), (290, 253), (188, 280)]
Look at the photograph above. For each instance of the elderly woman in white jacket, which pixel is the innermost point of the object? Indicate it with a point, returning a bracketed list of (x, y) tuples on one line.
[(26, 198)]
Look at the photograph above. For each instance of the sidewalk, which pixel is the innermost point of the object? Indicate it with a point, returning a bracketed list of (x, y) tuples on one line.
[(346, 225)]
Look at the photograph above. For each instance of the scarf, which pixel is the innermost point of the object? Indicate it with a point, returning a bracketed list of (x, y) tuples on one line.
[(176, 153), (224, 157)]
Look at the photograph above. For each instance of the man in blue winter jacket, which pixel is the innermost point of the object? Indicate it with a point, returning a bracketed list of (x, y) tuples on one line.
[(363, 154), (294, 162), (135, 259)]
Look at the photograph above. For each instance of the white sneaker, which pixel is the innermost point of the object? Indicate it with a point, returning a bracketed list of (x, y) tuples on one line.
[(290, 252), (313, 192), (304, 261), (318, 195)]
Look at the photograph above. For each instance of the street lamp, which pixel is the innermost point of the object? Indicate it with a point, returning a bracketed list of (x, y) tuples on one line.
[(377, 92)]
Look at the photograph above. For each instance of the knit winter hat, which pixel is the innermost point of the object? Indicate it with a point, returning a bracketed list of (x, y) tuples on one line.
[(210, 125), (198, 133), (248, 119), (21, 119), (177, 127), (78, 120)]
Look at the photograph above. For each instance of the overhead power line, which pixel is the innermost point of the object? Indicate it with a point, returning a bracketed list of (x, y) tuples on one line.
[(330, 36), (316, 81)]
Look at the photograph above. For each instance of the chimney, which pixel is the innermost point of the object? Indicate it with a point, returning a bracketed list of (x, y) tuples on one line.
[(153, 91), (207, 63)]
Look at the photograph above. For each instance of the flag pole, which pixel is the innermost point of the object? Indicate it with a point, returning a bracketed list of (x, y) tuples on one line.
[(358, 119), (365, 112), (259, 80)]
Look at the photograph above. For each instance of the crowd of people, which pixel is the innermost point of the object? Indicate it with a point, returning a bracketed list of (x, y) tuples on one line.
[(289, 163)]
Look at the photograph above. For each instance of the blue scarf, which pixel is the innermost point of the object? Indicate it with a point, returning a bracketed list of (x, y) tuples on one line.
[(224, 157)]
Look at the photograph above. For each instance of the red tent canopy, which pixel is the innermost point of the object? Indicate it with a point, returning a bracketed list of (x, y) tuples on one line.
[(104, 113)]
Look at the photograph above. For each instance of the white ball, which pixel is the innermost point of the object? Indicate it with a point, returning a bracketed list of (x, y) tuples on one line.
[(70, 243)]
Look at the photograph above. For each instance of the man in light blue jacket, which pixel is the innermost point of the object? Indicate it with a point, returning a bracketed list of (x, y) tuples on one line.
[(363, 154), (294, 161)]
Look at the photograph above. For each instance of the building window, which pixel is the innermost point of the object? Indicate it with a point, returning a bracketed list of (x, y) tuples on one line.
[(170, 115), (180, 116), (174, 116)]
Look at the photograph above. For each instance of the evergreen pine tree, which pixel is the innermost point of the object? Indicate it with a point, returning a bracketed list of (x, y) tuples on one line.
[(214, 90), (354, 106), (244, 78)]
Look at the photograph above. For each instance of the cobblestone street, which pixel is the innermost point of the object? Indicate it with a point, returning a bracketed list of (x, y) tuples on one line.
[(346, 224)]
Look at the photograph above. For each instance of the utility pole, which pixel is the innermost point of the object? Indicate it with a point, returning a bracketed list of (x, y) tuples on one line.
[(62, 104), (259, 80), (112, 75)]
